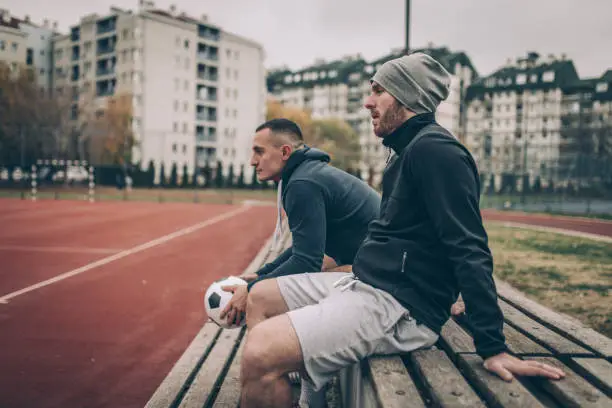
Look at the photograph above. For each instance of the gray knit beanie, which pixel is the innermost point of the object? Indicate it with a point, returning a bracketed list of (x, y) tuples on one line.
[(417, 81)]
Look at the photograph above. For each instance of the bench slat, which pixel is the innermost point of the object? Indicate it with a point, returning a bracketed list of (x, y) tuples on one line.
[(496, 391), (598, 371), (573, 390), (392, 382), (457, 339), (210, 375), (443, 380), (178, 379), (569, 326), (520, 344), (547, 337), (229, 394)]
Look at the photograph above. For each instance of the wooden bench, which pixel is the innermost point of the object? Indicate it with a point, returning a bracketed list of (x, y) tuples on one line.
[(451, 374), (447, 375)]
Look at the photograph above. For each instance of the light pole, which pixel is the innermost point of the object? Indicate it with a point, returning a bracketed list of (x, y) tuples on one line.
[(407, 28)]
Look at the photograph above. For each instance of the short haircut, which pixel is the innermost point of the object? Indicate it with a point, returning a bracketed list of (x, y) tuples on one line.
[(284, 126)]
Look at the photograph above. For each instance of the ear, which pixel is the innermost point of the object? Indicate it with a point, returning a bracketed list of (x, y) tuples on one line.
[(286, 151)]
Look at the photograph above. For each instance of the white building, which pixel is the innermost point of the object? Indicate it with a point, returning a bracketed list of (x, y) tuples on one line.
[(242, 100), (339, 89), (514, 120), (25, 44), (170, 64)]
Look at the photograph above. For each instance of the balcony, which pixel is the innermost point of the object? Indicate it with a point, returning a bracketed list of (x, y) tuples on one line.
[(206, 117), (206, 137), (106, 45), (106, 26), (208, 77), (105, 71), (208, 33)]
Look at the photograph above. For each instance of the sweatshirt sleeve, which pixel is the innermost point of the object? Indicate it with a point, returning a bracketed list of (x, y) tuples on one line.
[(449, 185), (305, 208), (270, 266)]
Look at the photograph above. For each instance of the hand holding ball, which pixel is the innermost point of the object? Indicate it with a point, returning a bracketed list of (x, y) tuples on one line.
[(216, 299)]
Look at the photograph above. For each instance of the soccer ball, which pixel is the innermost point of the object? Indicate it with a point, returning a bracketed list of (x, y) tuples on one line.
[(216, 299)]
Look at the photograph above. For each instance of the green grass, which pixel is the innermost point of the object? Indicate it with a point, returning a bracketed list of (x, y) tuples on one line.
[(568, 274)]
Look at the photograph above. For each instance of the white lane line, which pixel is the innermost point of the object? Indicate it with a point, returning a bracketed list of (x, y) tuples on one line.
[(123, 254), (82, 250)]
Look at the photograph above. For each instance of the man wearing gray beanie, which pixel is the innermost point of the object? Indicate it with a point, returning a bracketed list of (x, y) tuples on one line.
[(427, 245)]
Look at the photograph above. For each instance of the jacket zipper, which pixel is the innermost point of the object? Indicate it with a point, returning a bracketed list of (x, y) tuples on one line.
[(403, 261)]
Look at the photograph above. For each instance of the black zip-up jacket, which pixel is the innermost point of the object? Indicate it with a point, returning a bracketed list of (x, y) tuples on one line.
[(429, 243)]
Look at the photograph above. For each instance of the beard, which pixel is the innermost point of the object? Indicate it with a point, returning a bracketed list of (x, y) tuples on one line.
[(390, 120)]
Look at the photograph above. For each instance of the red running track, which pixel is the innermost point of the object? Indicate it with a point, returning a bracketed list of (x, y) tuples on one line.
[(579, 224), (107, 337)]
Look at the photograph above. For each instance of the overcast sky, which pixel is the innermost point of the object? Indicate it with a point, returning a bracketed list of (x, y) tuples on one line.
[(295, 33)]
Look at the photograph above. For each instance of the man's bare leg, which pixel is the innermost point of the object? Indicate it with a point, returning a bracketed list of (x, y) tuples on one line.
[(264, 301), (272, 350)]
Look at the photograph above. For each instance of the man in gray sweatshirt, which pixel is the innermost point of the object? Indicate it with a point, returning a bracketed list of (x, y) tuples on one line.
[(328, 212)]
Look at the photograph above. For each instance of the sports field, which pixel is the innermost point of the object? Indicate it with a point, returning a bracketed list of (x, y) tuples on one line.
[(97, 301)]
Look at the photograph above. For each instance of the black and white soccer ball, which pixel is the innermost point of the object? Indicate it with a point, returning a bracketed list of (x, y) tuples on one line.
[(216, 299)]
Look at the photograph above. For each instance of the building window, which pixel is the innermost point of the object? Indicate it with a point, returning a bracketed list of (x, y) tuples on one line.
[(15, 47), (176, 106), (236, 74), (601, 87), (174, 148), (186, 85), (175, 127), (235, 94), (236, 55), (184, 149), (185, 106), (186, 44), (185, 128), (2, 45), (548, 76)]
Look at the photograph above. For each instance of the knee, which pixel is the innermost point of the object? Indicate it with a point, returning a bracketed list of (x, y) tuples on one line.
[(258, 295), (257, 361)]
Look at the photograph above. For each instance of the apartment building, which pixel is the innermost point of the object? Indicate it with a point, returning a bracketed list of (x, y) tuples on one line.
[(514, 120), (585, 145), (25, 44), (339, 88), (171, 65)]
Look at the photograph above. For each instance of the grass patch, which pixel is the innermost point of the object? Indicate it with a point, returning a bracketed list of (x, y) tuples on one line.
[(568, 274)]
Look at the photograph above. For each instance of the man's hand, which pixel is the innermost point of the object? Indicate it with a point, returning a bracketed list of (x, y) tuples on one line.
[(236, 308), (458, 308), (507, 366), (249, 277)]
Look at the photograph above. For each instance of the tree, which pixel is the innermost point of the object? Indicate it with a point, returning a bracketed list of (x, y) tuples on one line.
[(150, 178), (339, 140), (230, 176), (107, 131), (207, 175), (173, 176), (240, 182), (185, 178), (333, 135), (254, 182), (32, 121), (219, 175), (162, 175)]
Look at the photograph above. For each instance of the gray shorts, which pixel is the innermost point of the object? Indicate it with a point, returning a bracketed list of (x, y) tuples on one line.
[(337, 326)]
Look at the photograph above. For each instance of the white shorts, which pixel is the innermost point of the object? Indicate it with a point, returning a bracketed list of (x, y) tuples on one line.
[(339, 325)]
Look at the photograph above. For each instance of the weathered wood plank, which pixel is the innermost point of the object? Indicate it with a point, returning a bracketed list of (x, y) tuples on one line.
[(573, 390), (520, 344), (178, 379), (456, 339), (569, 326), (497, 392), (393, 385), (202, 388), (542, 334), (444, 382), (229, 394), (596, 370)]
